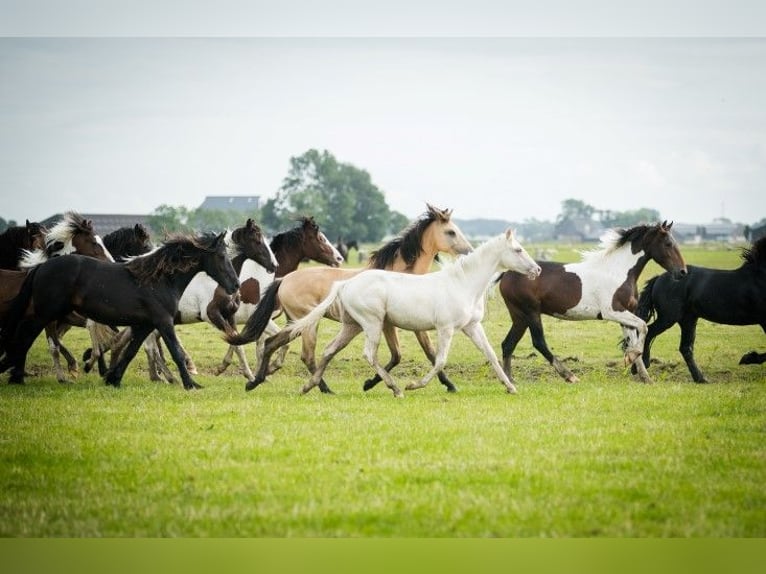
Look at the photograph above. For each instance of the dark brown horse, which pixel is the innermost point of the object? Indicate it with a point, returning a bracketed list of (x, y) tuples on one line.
[(603, 285), (729, 297), (15, 240), (142, 293)]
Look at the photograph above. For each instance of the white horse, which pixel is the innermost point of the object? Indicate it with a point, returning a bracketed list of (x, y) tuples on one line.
[(446, 300)]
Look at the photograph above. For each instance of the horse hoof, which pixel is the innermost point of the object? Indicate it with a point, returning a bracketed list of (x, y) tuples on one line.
[(250, 385), (572, 379), (327, 391), (368, 384), (451, 389), (511, 390)]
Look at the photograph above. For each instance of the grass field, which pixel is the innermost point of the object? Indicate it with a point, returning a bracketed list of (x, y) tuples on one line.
[(608, 457)]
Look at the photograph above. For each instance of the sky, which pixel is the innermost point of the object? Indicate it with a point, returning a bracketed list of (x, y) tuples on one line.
[(491, 127)]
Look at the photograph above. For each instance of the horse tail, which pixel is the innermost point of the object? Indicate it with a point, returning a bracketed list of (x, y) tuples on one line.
[(257, 322), (16, 311), (645, 307), (297, 327)]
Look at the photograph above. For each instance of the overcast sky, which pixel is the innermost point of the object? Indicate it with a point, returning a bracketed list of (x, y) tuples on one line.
[(498, 128)]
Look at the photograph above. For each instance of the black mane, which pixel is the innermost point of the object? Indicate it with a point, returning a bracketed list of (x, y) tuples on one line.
[(179, 253)]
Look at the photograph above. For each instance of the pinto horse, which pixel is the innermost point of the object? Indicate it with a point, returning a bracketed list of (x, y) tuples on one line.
[(445, 301), (603, 285), (15, 240), (290, 247), (729, 297), (413, 251), (142, 293)]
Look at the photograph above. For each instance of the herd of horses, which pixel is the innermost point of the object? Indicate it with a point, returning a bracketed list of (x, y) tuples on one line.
[(52, 280)]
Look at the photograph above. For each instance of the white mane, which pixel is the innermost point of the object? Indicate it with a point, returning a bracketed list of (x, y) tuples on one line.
[(608, 243)]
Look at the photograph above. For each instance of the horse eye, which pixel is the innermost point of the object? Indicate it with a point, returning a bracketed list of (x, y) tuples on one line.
[(451, 233), (518, 250)]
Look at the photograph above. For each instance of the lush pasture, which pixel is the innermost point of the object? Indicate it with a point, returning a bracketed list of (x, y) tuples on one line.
[(606, 457)]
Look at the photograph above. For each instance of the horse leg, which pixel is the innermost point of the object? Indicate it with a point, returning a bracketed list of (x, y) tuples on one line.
[(538, 341), (686, 348), (308, 354), (515, 333), (754, 357), (392, 340), (371, 354), (168, 334), (632, 340), (282, 338), (17, 349), (155, 360), (444, 339), (114, 374), (476, 333), (347, 333), (226, 361), (54, 347), (425, 344)]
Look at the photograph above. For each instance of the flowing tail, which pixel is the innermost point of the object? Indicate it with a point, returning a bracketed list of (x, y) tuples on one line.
[(16, 311), (296, 327), (258, 321), (645, 307)]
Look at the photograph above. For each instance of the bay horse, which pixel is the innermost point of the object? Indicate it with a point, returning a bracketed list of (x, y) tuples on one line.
[(602, 285), (17, 239), (412, 251), (142, 293), (729, 297), (446, 300)]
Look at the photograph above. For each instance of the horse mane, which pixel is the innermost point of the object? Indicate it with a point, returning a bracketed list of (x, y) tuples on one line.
[(756, 253), (293, 237), (407, 243), (69, 225), (178, 254), (614, 238), (120, 240)]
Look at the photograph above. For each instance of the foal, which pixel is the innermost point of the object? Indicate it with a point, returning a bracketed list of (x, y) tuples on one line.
[(445, 300)]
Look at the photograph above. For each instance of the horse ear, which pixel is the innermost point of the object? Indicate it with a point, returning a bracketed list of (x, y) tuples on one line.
[(250, 223), (509, 233)]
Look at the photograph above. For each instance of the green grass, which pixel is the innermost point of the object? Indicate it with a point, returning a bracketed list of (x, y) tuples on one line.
[(607, 457)]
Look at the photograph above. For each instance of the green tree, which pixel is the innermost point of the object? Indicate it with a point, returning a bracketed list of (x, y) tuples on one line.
[(168, 219), (340, 196), (575, 209)]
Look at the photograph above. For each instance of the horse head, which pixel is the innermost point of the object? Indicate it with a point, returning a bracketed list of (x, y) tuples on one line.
[(661, 246), (216, 263), (443, 234), (36, 233), (316, 246), (249, 241), (516, 258)]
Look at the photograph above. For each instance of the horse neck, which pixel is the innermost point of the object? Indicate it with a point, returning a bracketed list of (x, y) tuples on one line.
[(237, 261), (287, 260), (477, 268), (621, 262)]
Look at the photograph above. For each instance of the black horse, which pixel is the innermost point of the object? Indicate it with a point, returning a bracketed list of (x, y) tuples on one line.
[(142, 293), (730, 297)]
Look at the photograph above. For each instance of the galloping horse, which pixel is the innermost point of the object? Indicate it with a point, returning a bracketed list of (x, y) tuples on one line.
[(72, 234), (413, 251), (305, 241), (603, 285), (446, 300), (142, 293), (730, 297), (15, 240)]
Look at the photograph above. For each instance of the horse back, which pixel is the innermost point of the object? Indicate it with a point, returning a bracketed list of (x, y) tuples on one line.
[(303, 289), (554, 292), (730, 297)]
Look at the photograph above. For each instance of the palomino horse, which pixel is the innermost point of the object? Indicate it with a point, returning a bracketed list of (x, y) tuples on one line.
[(15, 240), (446, 300), (603, 285), (413, 251), (142, 293), (730, 297)]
